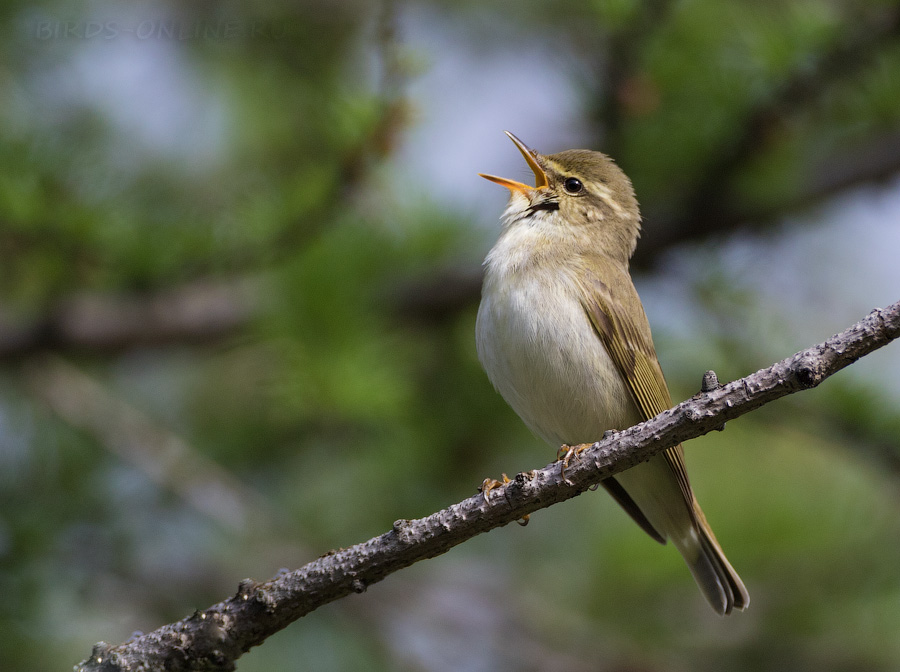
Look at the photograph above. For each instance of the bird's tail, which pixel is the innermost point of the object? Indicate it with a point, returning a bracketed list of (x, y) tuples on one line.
[(667, 509), (719, 583)]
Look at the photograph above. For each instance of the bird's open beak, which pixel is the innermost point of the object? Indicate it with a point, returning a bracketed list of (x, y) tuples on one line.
[(540, 177)]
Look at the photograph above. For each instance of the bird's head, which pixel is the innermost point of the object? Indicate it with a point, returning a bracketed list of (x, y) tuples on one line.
[(581, 194)]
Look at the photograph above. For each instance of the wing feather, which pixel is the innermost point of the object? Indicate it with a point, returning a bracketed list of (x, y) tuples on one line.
[(619, 321), (629, 343)]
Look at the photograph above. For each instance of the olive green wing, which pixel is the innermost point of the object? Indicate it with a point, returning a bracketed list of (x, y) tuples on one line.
[(622, 326), (619, 321)]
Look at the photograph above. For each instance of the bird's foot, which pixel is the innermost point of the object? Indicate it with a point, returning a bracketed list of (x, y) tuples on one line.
[(489, 484), (565, 454)]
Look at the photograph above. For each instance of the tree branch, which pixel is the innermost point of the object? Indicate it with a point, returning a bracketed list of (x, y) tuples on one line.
[(198, 312), (164, 457), (214, 638), (707, 207)]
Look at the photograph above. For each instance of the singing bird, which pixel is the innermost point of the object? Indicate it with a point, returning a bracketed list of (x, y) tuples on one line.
[(562, 335)]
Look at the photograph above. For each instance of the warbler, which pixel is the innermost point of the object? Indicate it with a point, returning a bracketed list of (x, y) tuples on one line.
[(562, 335)]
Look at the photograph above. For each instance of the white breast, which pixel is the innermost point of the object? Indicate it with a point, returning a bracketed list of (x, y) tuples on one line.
[(540, 350)]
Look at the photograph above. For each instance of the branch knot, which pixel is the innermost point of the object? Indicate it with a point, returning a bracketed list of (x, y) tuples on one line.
[(807, 374)]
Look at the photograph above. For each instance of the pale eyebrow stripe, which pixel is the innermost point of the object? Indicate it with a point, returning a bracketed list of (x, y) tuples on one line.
[(601, 191), (604, 194)]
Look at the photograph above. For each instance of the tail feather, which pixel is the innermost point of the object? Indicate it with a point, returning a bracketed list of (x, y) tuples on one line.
[(673, 514), (715, 576)]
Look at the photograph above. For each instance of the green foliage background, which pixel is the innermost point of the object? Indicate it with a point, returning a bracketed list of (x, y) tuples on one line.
[(144, 472)]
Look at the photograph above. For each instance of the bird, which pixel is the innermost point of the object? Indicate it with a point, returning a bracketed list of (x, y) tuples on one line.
[(563, 337)]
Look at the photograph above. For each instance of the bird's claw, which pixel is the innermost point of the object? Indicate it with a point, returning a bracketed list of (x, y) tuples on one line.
[(489, 484), (565, 454)]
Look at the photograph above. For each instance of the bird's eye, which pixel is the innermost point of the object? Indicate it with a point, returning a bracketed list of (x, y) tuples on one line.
[(573, 185)]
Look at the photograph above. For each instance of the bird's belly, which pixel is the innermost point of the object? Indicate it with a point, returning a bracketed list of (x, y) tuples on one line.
[(542, 354)]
